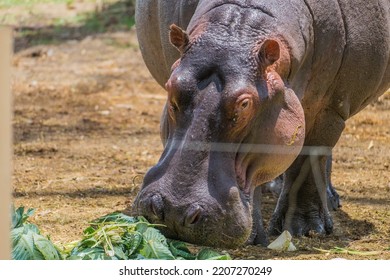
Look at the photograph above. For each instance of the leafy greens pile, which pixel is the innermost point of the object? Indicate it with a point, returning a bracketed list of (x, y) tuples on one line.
[(115, 236), (27, 241)]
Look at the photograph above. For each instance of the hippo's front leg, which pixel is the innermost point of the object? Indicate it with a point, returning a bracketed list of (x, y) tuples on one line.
[(302, 206), (275, 187), (259, 234)]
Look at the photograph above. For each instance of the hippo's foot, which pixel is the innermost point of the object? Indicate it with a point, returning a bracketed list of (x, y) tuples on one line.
[(302, 206), (300, 220), (259, 234)]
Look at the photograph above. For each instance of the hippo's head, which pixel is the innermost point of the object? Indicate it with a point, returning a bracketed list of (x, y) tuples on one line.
[(230, 122)]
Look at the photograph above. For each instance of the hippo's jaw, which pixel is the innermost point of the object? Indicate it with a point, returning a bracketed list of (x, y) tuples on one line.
[(220, 229)]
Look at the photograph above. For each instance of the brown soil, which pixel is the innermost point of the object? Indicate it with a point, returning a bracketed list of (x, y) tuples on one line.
[(86, 129)]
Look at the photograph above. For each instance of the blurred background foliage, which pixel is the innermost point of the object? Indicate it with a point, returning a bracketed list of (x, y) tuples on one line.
[(53, 21)]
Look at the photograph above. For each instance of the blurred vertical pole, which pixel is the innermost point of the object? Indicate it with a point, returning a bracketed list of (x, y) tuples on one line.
[(5, 141)]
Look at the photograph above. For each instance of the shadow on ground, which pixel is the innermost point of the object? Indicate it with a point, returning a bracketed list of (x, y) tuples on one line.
[(352, 228)]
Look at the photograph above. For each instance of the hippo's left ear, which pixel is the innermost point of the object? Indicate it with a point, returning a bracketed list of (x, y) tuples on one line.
[(178, 37), (269, 52)]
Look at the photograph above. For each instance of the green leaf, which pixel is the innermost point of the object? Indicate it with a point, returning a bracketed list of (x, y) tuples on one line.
[(87, 243), (46, 247), (19, 217), (137, 257), (142, 219), (96, 253), (75, 249), (74, 258), (116, 217), (154, 234), (24, 249), (142, 227), (179, 250), (132, 242), (16, 217), (28, 214), (89, 230), (16, 234), (119, 253), (208, 254), (32, 228), (155, 245)]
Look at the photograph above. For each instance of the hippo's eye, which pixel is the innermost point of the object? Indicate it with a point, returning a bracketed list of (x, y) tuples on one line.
[(244, 104), (242, 109), (172, 109)]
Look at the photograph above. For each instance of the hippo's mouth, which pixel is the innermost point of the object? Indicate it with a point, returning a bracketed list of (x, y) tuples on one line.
[(204, 221), (226, 228), (241, 169)]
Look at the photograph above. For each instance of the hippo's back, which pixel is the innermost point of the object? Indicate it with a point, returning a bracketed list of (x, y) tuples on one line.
[(362, 71)]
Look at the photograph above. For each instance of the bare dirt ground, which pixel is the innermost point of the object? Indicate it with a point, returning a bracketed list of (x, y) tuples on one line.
[(86, 129)]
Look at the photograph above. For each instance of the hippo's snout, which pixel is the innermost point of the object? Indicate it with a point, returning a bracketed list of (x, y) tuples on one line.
[(196, 219)]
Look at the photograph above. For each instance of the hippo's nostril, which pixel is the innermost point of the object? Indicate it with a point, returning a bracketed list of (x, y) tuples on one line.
[(193, 216), (157, 207)]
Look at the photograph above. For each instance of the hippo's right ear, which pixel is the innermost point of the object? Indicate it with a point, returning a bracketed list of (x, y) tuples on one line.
[(178, 37)]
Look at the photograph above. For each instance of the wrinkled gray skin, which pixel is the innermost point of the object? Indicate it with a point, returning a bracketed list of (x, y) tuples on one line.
[(252, 83)]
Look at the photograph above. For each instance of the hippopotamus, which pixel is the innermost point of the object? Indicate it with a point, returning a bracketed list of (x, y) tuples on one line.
[(255, 89)]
